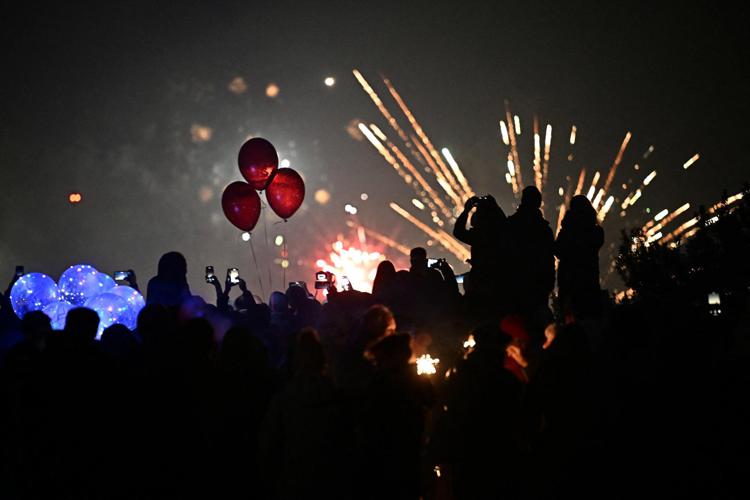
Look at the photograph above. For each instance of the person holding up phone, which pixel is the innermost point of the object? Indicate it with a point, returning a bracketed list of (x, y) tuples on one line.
[(169, 287), (127, 276), (222, 296)]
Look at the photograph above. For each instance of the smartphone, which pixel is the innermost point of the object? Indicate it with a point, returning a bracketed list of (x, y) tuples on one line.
[(460, 279), (19, 271), (714, 304), (323, 280), (430, 262), (209, 273), (234, 275), (121, 275)]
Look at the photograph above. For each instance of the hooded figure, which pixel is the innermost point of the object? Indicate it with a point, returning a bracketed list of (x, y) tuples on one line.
[(577, 247), (169, 287)]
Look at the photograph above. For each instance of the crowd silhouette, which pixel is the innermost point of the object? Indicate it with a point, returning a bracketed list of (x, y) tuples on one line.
[(538, 394)]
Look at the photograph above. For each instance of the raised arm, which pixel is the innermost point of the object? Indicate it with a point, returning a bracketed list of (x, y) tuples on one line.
[(459, 229)]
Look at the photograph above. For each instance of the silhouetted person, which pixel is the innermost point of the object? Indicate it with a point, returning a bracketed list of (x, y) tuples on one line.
[(419, 271), (486, 278), (426, 286), (120, 346), (392, 422), (479, 432), (81, 324), (383, 287), (351, 370), (169, 287), (305, 310), (244, 389), (577, 246), (530, 252), (304, 438), (23, 409), (560, 405)]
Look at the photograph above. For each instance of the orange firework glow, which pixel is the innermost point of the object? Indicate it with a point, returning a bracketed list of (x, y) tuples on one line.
[(346, 260)]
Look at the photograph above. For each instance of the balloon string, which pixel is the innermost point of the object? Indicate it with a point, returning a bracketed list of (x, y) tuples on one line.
[(265, 229), (285, 258), (257, 270)]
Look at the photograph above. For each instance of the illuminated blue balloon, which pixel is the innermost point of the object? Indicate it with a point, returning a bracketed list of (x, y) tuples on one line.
[(57, 312), (81, 282), (32, 292), (106, 282), (133, 297), (111, 309)]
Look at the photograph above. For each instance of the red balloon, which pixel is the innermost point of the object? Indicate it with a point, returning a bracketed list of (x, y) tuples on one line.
[(241, 205), (258, 161), (285, 192)]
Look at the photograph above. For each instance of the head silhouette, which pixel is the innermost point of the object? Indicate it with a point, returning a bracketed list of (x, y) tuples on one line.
[(490, 339), (580, 212), (418, 258), (531, 198), (82, 323), (392, 352), (488, 213), (35, 325), (306, 354), (384, 276), (278, 302), (377, 322), (296, 296), (173, 267)]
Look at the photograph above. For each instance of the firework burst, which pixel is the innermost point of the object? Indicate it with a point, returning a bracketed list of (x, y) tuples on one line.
[(441, 187)]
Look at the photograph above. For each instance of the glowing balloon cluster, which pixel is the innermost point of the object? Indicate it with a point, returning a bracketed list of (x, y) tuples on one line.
[(33, 292), (259, 165), (79, 286), (112, 309), (81, 282)]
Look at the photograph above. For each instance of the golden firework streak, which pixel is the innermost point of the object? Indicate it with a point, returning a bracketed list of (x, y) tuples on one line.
[(448, 243), (513, 146), (537, 156), (616, 163), (425, 140)]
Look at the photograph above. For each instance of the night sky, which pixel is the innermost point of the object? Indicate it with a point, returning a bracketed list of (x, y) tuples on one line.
[(100, 99)]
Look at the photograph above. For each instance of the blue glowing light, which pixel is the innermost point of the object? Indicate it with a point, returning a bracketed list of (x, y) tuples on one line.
[(57, 312), (81, 282), (32, 292), (134, 299), (111, 309)]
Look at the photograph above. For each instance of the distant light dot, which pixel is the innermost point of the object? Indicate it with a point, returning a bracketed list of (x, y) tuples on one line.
[(245, 236), (648, 210), (284, 263), (75, 197), (322, 196), (272, 90), (330, 81), (205, 194), (363, 197), (284, 163), (237, 85), (560, 191), (200, 133), (350, 209), (278, 241)]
